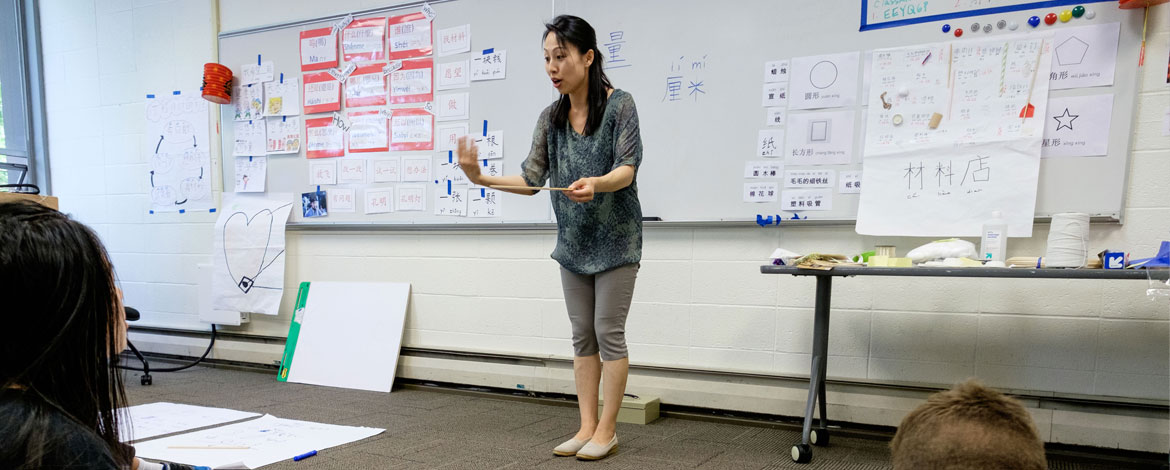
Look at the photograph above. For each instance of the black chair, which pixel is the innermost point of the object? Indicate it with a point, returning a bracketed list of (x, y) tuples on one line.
[(133, 315)]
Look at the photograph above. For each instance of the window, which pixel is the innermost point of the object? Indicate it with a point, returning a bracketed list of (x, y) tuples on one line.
[(19, 83)]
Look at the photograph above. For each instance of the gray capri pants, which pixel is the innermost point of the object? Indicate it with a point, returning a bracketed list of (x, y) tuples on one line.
[(598, 305)]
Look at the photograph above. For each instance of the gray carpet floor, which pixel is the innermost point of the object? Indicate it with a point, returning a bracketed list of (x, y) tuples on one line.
[(437, 429)]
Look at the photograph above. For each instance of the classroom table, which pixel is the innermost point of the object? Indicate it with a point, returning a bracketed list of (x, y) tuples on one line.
[(802, 453)]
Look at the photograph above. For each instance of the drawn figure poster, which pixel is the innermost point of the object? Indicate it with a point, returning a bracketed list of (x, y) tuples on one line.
[(282, 98), (176, 142), (248, 253), (982, 152), (248, 102)]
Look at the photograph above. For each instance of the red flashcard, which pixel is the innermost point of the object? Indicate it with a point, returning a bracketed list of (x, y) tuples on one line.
[(366, 86), (318, 49), (410, 36), (323, 138), (413, 82), (364, 39), (322, 93), (412, 129)]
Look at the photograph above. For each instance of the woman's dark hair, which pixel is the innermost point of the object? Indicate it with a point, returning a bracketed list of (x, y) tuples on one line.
[(576, 31), (62, 330)]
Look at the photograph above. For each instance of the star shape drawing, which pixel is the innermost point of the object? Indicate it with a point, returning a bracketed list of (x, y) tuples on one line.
[(1065, 120)]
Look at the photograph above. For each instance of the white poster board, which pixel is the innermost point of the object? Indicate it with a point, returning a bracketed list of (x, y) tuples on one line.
[(176, 144), (248, 253)]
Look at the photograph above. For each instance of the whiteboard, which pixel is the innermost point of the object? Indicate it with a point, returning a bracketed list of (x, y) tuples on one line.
[(511, 105), (695, 149)]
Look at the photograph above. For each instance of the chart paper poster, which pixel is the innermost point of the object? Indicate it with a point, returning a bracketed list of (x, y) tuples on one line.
[(248, 253), (322, 93), (367, 132), (412, 82), (364, 40), (825, 81), (412, 129), (318, 49), (984, 157), (410, 36), (323, 138), (366, 86), (176, 143)]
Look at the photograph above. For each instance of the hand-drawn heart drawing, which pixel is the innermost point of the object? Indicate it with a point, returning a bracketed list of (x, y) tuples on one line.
[(245, 246)]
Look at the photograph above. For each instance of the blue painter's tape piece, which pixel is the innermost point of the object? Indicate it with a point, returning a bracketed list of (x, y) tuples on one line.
[(485, 127), (152, 211), (962, 14), (485, 163), (482, 192), (258, 60), (761, 221), (318, 188), (211, 210), (200, 88), (450, 157), (149, 97), (249, 158), (489, 50), (795, 217), (281, 77), (283, 118), (176, 92), (448, 187), (249, 122), (182, 211)]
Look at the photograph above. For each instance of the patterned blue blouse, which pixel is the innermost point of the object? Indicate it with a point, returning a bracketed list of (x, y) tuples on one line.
[(606, 232)]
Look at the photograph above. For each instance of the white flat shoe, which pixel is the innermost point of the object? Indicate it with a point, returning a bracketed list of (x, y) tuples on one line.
[(593, 451), (569, 448)]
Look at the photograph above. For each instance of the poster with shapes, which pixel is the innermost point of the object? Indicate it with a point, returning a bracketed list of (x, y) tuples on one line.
[(257, 73), (367, 132), (453, 75), (799, 179), (1085, 56), (176, 142), (323, 172), (366, 86), (453, 107), (489, 66), (322, 93), (449, 170), (985, 154), (248, 252), (248, 103), (775, 95), (379, 200), (824, 81), (284, 134), (763, 169), (323, 138), (387, 170), (250, 138), (411, 198), (283, 98), (770, 143), (342, 200), (450, 200), (416, 169), (447, 137), (410, 36), (758, 192), (1078, 126), (412, 129), (849, 183), (251, 172), (776, 71), (454, 40), (364, 40), (800, 200), (412, 82), (819, 138), (318, 49), (483, 203), (776, 116), (351, 171), (491, 146)]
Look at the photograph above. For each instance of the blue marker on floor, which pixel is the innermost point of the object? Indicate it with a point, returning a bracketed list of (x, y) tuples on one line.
[(304, 456)]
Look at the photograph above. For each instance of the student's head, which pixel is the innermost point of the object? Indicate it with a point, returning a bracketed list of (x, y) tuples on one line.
[(64, 320), (966, 428), (574, 63)]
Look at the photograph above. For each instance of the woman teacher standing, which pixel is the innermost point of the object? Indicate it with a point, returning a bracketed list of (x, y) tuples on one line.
[(587, 141)]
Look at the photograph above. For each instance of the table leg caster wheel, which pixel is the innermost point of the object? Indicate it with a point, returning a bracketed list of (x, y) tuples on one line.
[(801, 453), (147, 380), (819, 437)]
